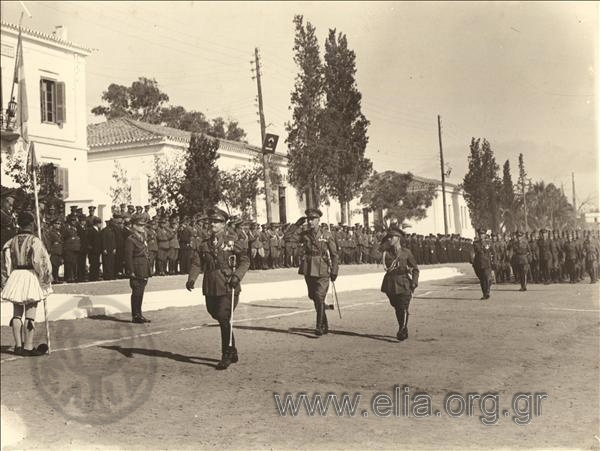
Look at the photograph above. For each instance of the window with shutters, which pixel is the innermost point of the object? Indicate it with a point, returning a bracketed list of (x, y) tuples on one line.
[(52, 100), (63, 180)]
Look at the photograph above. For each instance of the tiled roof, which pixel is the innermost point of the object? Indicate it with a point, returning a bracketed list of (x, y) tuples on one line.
[(125, 130), (45, 36), (418, 178)]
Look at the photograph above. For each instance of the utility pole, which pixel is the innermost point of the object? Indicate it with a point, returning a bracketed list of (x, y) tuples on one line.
[(574, 198), (524, 203), (262, 137), (443, 175)]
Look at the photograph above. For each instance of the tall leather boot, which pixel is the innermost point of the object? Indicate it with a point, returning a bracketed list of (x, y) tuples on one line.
[(324, 323), (402, 317), (319, 306)]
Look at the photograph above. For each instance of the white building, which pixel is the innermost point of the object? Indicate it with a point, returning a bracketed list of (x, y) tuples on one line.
[(133, 145), (55, 83)]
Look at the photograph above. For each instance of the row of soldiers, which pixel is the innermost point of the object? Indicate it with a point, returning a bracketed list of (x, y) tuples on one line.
[(539, 257), (553, 256)]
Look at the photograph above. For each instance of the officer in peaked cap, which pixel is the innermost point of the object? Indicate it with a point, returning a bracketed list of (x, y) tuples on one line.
[(482, 262), (225, 262), (401, 277), (137, 266), (320, 262)]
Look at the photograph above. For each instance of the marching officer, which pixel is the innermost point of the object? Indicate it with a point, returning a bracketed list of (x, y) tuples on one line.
[(401, 278), (137, 266), (319, 264), (224, 260), (482, 262)]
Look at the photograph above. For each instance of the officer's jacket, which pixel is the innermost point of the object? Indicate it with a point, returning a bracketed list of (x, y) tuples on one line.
[(71, 242), (591, 251), (545, 249), (320, 252), (151, 240), (402, 273), (255, 241), (55, 245), (137, 263), (482, 254), (163, 236), (570, 251), (213, 257), (535, 251), (109, 241), (173, 239), (185, 236), (93, 240), (522, 253)]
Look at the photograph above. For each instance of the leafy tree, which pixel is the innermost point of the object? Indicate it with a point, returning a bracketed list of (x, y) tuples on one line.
[(548, 207), (239, 190), (200, 188), (306, 160), (343, 133), (507, 199), (120, 191), (482, 185), (16, 169), (143, 101), (165, 178), (396, 193)]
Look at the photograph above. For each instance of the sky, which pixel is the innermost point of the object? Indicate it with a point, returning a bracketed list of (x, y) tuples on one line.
[(522, 75)]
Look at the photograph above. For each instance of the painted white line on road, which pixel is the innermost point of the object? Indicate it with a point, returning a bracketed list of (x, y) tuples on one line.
[(182, 329), (572, 309)]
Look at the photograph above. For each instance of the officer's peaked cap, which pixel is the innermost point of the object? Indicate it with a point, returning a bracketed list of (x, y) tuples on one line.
[(138, 219), (215, 214), (313, 213)]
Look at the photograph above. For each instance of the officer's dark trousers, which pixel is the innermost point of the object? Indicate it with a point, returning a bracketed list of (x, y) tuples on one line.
[(70, 266), (592, 269), (137, 295), (317, 292), (94, 266), (219, 307), (571, 268), (81, 264), (485, 280), (185, 256), (400, 302), (108, 266), (546, 271), (522, 274)]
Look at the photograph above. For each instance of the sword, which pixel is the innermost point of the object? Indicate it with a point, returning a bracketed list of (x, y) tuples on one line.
[(336, 299), (232, 262)]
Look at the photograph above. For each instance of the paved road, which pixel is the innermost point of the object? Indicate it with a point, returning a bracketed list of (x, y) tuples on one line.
[(154, 386)]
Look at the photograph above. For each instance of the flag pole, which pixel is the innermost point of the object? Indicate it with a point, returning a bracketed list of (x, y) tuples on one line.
[(39, 227)]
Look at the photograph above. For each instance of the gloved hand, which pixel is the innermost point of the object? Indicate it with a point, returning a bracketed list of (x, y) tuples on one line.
[(333, 277), (301, 221), (413, 287), (234, 282), (189, 285)]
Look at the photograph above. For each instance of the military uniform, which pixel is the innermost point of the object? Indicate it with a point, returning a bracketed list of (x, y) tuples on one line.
[(400, 280), (522, 256), (137, 267), (94, 248), (482, 263), (55, 249), (109, 250), (71, 248), (220, 279), (319, 265)]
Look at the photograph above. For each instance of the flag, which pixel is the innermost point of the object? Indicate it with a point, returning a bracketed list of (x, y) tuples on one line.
[(32, 163), (22, 114)]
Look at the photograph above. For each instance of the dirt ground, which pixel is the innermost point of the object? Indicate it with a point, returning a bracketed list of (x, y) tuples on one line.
[(112, 384)]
